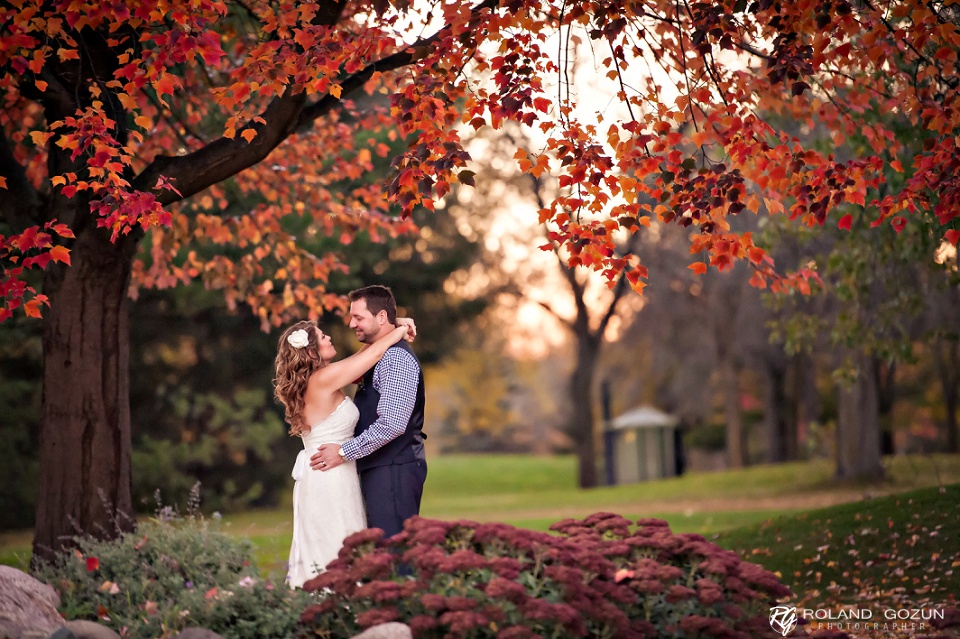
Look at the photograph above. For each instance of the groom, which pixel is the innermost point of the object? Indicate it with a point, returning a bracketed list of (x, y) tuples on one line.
[(388, 439)]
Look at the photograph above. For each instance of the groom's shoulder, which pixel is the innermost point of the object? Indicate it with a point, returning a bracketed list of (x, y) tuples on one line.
[(401, 355)]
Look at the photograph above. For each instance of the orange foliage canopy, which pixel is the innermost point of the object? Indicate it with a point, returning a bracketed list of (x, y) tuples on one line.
[(121, 110)]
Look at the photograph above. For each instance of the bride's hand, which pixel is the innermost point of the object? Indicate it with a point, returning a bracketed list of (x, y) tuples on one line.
[(410, 325), (399, 333)]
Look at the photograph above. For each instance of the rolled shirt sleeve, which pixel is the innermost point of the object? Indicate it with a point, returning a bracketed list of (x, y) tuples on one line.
[(395, 377)]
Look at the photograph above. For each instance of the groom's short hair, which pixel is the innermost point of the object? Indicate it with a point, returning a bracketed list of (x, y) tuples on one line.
[(378, 298)]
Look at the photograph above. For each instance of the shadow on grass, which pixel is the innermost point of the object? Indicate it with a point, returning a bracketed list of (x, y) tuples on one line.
[(895, 550)]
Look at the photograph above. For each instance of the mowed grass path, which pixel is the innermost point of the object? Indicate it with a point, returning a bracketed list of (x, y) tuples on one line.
[(534, 492)]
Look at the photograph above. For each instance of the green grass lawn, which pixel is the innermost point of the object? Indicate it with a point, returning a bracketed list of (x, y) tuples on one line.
[(534, 492), (899, 549), (504, 487)]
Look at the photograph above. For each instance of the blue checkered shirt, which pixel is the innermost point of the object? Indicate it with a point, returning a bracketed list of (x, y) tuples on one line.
[(395, 377)]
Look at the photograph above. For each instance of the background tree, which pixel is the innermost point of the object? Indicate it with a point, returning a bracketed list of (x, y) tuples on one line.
[(588, 329), (697, 338), (501, 188), (877, 291)]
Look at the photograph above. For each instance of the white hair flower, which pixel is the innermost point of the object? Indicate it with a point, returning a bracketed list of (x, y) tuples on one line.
[(298, 338)]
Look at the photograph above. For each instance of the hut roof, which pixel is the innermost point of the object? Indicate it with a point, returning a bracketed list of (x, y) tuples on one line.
[(644, 417)]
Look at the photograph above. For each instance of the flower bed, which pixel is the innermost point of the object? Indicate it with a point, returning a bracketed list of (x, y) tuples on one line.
[(171, 574), (598, 577)]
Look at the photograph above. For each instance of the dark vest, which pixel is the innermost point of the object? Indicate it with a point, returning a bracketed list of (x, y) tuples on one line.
[(408, 446)]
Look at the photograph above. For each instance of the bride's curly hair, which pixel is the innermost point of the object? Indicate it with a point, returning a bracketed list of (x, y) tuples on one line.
[(294, 366)]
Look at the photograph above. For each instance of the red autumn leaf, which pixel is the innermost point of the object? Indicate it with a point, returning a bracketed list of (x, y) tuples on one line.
[(32, 308), (60, 254), (93, 563), (166, 84), (845, 222), (37, 261), (952, 236), (60, 229)]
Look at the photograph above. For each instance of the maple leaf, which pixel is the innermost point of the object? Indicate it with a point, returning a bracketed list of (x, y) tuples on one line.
[(60, 254), (32, 308)]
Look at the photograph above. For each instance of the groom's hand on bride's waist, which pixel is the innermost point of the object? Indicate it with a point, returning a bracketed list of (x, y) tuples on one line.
[(326, 457)]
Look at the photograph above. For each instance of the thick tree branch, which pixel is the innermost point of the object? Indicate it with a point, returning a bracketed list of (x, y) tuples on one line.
[(222, 158), (21, 205)]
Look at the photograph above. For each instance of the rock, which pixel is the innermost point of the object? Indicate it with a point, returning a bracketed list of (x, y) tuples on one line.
[(197, 633), (9, 630), (391, 630), (28, 607), (82, 629)]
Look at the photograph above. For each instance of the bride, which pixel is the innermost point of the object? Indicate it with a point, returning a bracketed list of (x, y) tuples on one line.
[(327, 507)]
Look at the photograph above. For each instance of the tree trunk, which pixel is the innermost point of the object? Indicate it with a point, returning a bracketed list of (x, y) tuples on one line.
[(581, 424), (85, 411), (858, 425), (779, 414), (946, 357), (806, 398), (736, 440)]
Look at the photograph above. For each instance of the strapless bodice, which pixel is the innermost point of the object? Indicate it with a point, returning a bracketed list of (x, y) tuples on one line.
[(336, 428)]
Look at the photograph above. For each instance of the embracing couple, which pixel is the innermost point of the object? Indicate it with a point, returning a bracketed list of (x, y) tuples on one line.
[(363, 462)]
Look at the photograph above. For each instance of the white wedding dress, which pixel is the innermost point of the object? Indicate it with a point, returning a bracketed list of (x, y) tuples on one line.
[(327, 505)]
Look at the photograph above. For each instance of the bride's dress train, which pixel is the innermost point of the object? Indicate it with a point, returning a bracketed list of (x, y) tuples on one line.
[(327, 505)]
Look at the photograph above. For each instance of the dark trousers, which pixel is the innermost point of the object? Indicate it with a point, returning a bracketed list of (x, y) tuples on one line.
[(392, 494)]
